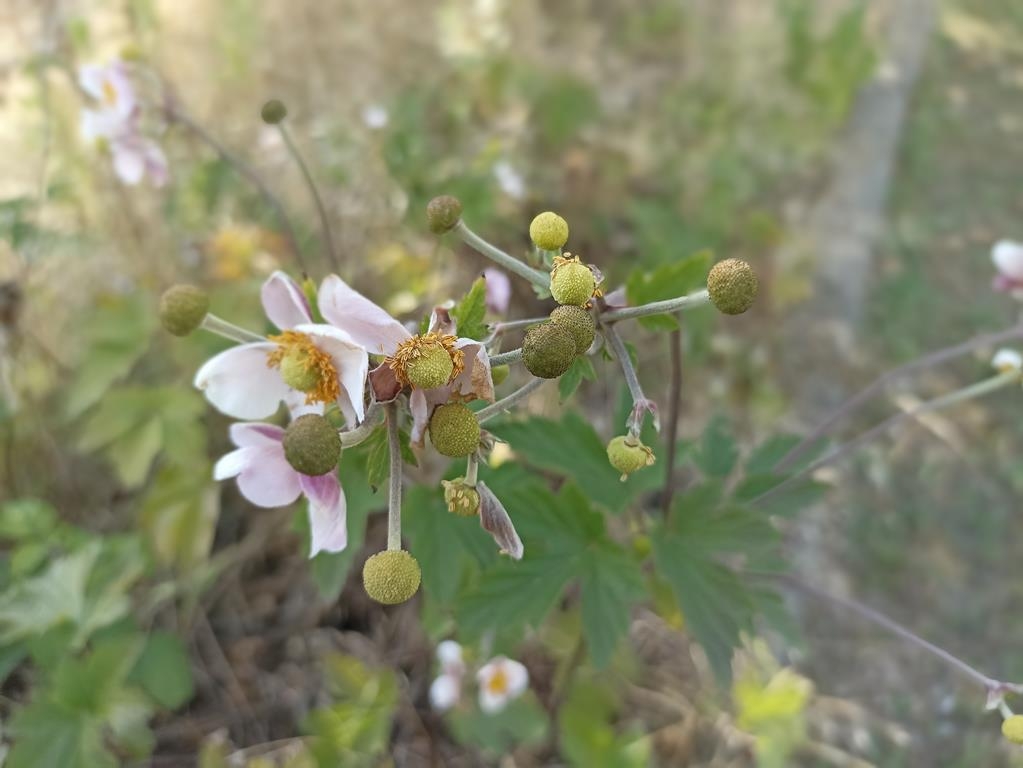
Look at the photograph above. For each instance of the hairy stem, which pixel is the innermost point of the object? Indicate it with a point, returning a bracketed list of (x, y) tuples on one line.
[(394, 487), (511, 325), (328, 236), (352, 437), (511, 356), (506, 403), (667, 306), (499, 257), (222, 327), (641, 404), (472, 468)]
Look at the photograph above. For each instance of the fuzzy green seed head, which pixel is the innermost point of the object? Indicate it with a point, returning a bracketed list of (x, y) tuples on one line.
[(433, 367), (454, 430), (572, 282), (627, 455), (443, 213), (273, 112), (183, 308), (548, 350), (311, 445), (462, 499), (499, 373), (391, 577), (578, 322), (1012, 728), (548, 231), (732, 285), (298, 371)]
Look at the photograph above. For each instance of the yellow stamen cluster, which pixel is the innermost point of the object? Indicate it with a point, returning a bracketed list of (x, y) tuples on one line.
[(498, 682), (317, 377), (413, 350)]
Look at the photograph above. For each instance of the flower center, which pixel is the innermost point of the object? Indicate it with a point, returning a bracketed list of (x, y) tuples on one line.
[(305, 367), (427, 361), (109, 93), (498, 682)]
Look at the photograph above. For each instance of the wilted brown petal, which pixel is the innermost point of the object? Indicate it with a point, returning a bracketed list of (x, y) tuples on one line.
[(495, 521), (441, 321), (383, 383)]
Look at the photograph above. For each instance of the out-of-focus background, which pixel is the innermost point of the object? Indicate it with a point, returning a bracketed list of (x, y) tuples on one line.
[(862, 155)]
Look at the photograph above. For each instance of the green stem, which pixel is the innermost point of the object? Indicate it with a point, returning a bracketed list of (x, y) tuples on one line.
[(512, 356), (353, 437), (311, 186), (394, 487), (505, 403), (667, 306), (222, 327), (502, 259)]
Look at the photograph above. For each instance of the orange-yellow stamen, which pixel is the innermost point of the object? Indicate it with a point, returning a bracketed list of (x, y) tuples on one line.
[(498, 682), (109, 93), (412, 349), (318, 366)]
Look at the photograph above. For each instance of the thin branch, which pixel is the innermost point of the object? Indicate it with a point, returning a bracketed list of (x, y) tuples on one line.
[(511, 325), (353, 437), (229, 330), (511, 356), (311, 186), (499, 257), (641, 404), (394, 487), (667, 306), (502, 405)]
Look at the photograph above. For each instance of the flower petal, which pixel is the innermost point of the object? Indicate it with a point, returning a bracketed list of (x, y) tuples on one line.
[(256, 434), (268, 480), (367, 324), (239, 383), (1007, 256), (352, 364), (129, 162), (233, 464), (476, 378), (328, 513), (498, 290), (518, 678), (449, 654), (284, 302), (156, 162), (616, 298), (1006, 360), (441, 320), (496, 521), (445, 692), (384, 383)]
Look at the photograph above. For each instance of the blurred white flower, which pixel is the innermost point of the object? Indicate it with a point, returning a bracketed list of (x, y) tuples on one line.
[(449, 654), (1006, 360), (470, 29), (375, 116), (501, 680), (135, 157), (446, 690), (510, 180), (498, 290), (111, 87), (1007, 256)]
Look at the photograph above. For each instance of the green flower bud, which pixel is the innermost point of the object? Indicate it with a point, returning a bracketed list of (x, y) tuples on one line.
[(499, 373), (454, 430), (549, 231), (732, 285), (273, 112), (311, 445), (433, 367), (462, 499), (1012, 729), (443, 213), (627, 455), (391, 577), (183, 308), (572, 282), (578, 322), (548, 350)]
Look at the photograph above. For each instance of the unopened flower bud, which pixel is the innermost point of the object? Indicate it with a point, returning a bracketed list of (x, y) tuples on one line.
[(1012, 728), (732, 285), (311, 445), (391, 577), (627, 455), (499, 373), (454, 430), (462, 499), (183, 308), (578, 322), (549, 231), (443, 213), (273, 112), (548, 350), (572, 282)]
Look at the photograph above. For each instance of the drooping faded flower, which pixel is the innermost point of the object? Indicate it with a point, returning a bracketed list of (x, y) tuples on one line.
[(1007, 256), (446, 689), (320, 361), (267, 479), (501, 680)]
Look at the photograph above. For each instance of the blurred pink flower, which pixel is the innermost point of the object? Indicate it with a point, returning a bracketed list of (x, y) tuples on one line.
[(1007, 256), (498, 290), (266, 479), (501, 680)]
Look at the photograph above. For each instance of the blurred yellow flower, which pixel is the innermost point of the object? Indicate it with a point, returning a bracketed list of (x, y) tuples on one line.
[(242, 250)]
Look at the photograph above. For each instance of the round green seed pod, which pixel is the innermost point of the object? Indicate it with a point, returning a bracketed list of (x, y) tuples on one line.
[(499, 373), (1012, 729), (311, 445), (572, 283), (443, 213), (732, 285), (462, 499), (273, 112), (298, 372), (548, 350), (628, 454), (433, 367), (391, 577), (454, 430), (578, 322), (548, 231), (183, 308)]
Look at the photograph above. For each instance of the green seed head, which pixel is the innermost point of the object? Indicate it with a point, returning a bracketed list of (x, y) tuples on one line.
[(572, 282), (548, 350), (454, 430), (433, 367), (1012, 729), (443, 213), (627, 455), (183, 308), (578, 322), (549, 231), (273, 112), (499, 373), (391, 577), (732, 286), (462, 499), (298, 371), (311, 445)]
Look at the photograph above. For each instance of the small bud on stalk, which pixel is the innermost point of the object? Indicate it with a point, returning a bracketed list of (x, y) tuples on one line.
[(1012, 729), (443, 213), (549, 231), (183, 308), (273, 112), (732, 286), (391, 577), (499, 373), (311, 445), (627, 455), (454, 430), (462, 499), (572, 282)]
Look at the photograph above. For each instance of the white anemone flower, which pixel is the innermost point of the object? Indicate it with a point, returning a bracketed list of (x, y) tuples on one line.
[(1006, 360), (1007, 256), (501, 680)]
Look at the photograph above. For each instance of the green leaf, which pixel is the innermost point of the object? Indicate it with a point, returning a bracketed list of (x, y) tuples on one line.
[(179, 513), (718, 451), (660, 323), (610, 582), (378, 457), (766, 455), (87, 683), (521, 723), (588, 737), (164, 670), (26, 519), (47, 733), (582, 369), (470, 311)]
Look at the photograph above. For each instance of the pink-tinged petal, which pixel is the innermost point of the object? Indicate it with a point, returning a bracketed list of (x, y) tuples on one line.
[(498, 290), (328, 513), (233, 464), (352, 365), (441, 321), (156, 163), (616, 298), (367, 324), (91, 77), (284, 302), (129, 162), (268, 480), (384, 384), (297, 406), (95, 125), (496, 521), (1007, 256), (256, 434), (517, 676), (239, 383), (420, 415), (476, 378)]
